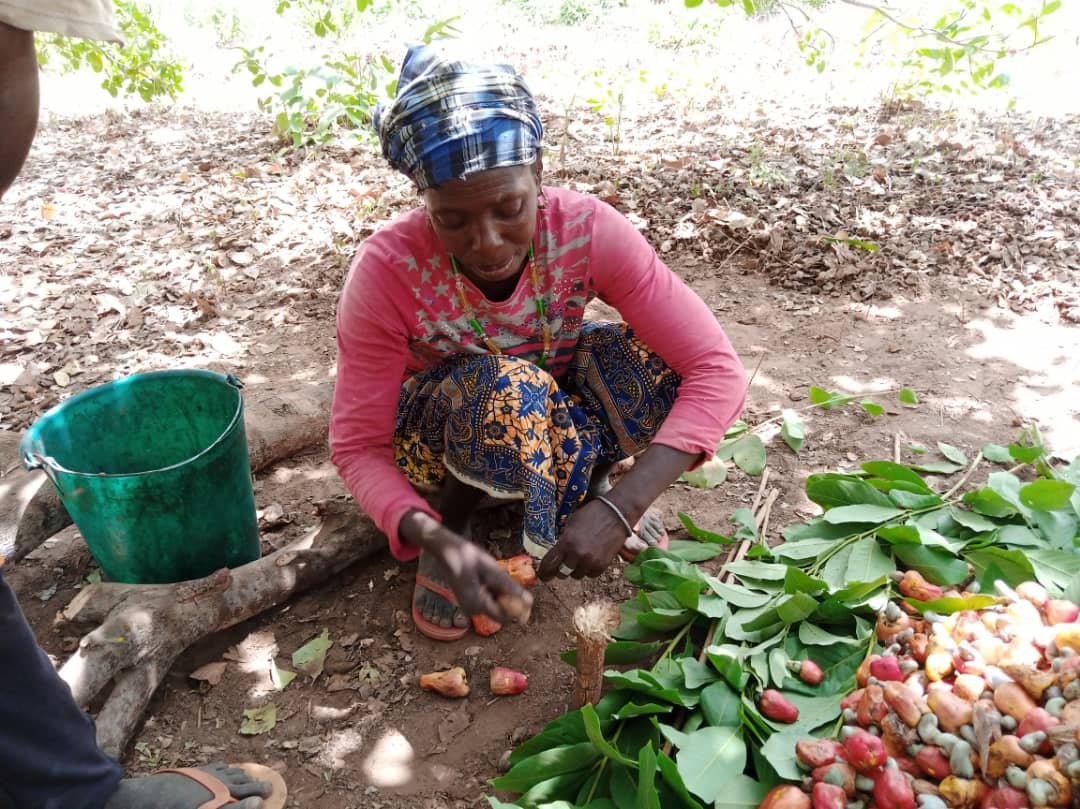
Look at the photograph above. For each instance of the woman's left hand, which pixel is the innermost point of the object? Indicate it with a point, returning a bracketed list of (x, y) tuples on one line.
[(591, 539)]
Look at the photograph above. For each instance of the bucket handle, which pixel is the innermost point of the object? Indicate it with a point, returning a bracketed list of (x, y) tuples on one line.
[(32, 461)]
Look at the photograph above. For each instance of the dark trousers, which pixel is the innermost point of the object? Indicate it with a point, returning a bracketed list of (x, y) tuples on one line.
[(49, 758)]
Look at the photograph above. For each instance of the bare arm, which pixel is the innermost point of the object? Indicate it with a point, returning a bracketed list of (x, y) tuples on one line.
[(18, 100), (594, 533)]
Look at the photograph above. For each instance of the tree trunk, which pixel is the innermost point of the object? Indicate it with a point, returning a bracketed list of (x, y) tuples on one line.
[(144, 627), (278, 425)]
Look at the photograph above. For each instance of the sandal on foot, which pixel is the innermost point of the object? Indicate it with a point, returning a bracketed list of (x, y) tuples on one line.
[(220, 792), (429, 628), (630, 555)]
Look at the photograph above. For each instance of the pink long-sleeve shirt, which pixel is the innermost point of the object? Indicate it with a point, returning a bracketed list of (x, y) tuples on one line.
[(399, 314)]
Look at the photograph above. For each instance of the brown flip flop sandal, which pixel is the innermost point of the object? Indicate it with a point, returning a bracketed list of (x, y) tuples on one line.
[(222, 797), (428, 628)]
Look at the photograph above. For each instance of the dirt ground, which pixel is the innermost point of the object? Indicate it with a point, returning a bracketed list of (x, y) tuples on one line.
[(170, 240)]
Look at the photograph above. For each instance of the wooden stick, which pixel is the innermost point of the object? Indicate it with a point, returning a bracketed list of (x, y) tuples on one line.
[(896, 448), (761, 488), (591, 624), (766, 512)]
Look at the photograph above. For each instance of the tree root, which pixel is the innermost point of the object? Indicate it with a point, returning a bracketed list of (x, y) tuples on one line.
[(142, 629), (278, 425)]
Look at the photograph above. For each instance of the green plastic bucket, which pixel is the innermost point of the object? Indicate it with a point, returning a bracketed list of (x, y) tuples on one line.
[(154, 471)]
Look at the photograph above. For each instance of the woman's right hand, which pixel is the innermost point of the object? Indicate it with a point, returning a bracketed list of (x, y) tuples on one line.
[(479, 584)]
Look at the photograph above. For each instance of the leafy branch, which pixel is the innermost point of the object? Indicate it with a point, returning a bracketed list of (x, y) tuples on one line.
[(688, 730)]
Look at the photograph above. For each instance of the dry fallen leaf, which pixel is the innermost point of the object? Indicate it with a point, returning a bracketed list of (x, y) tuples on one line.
[(210, 673)]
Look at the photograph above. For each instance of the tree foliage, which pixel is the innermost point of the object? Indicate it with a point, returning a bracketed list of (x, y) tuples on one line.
[(961, 49), (142, 66)]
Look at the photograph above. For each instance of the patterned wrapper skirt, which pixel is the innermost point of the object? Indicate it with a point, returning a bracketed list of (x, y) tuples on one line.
[(503, 425)]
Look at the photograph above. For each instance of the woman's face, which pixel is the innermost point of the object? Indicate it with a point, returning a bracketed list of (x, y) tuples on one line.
[(487, 221)]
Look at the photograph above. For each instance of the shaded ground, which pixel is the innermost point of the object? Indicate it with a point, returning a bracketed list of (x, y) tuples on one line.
[(159, 241)]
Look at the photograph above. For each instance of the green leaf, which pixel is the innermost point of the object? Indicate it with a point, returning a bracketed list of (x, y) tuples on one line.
[(814, 711), (797, 581), (701, 533), (909, 500), (835, 571), (749, 455), (816, 528), (742, 792), (796, 607), (720, 704), (1054, 569), (975, 522), (1072, 592), (830, 490), (938, 467), (947, 606), (872, 408), (805, 550), (954, 454), (907, 396), (757, 570), (868, 562), (1019, 536), (900, 534), (708, 758), (826, 400), (989, 503), (673, 779), (694, 550), (666, 620), (936, 564), (778, 671), (259, 720), (838, 662), (311, 657), (894, 471), (548, 764), (1026, 454), (647, 797), (813, 635), (793, 430), (707, 476), (1047, 495), (280, 677), (728, 660), (737, 595), (779, 751), (991, 564), (696, 674), (564, 730), (620, 652), (596, 736), (995, 453), (861, 514), (634, 709)]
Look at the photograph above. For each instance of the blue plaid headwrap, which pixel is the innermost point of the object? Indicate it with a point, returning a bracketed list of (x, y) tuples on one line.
[(451, 119)]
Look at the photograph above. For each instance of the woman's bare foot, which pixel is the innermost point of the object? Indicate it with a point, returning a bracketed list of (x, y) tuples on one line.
[(648, 533)]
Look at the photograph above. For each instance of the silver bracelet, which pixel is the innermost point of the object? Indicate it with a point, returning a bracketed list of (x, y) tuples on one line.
[(618, 513)]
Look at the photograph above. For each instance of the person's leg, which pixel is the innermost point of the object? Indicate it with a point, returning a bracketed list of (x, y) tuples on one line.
[(48, 752), (627, 391), (18, 100), (49, 758), (497, 425)]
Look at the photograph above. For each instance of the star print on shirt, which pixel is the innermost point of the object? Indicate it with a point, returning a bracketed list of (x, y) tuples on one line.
[(442, 289)]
